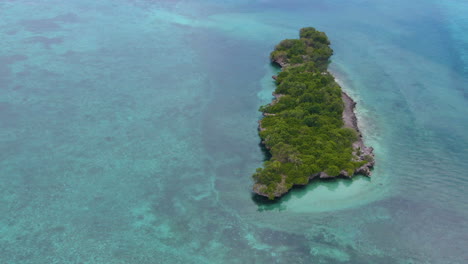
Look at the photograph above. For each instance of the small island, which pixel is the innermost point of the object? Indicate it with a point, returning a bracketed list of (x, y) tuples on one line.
[(310, 129)]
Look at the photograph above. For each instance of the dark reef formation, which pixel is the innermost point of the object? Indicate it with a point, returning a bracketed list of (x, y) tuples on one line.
[(310, 128)]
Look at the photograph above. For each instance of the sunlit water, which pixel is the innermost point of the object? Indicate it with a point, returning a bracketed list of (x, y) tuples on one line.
[(128, 133)]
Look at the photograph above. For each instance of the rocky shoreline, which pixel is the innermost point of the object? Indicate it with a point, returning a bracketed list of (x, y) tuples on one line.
[(360, 151)]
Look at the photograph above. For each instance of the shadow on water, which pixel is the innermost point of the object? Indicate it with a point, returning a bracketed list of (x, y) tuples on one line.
[(275, 65), (265, 151), (299, 191), (265, 204)]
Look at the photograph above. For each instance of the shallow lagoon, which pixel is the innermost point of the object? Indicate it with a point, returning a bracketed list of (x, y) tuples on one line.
[(128, 133)]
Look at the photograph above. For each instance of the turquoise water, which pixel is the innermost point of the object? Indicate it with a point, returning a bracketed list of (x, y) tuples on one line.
[(128, 133)]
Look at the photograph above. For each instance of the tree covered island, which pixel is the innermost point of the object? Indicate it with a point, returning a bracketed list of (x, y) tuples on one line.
[(310, 128)]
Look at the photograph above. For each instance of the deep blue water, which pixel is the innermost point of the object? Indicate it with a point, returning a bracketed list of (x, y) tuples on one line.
[(128, 132)]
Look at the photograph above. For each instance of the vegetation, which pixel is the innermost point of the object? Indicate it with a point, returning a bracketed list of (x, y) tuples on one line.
[(313, 46), (303, 128)]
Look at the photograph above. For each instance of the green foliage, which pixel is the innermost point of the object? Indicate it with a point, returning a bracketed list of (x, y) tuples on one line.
[(305, 132), (315, 35), (313, 46)]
